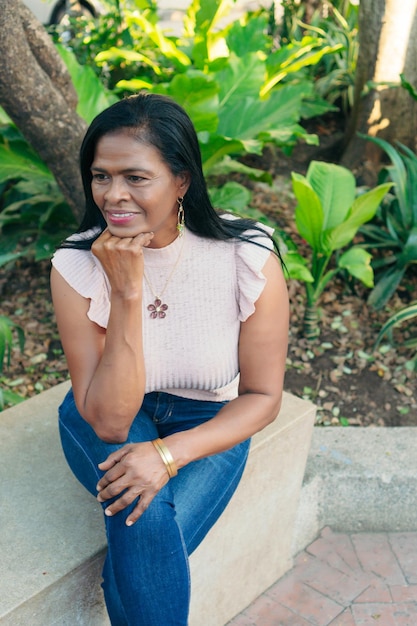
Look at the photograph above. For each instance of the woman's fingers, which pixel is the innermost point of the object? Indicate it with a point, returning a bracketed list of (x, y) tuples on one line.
[(140, 508), (135, 471), (145, 498)]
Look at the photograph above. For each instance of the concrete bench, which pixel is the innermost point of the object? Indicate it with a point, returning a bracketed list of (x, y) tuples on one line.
[(52, 540)]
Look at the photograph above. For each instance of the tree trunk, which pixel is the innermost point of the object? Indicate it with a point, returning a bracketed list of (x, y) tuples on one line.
[(37, 93), (388, 47)]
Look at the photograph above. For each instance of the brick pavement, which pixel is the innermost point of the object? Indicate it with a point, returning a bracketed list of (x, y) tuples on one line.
[(357, 579)]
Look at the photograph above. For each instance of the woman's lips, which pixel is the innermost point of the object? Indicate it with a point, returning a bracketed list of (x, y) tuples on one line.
[(120, 217)]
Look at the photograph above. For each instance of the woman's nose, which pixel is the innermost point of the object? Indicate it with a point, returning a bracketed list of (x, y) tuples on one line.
[(116, 190)]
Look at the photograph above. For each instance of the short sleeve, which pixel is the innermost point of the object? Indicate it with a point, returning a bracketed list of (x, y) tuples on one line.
[(250, 259), (84, 273)]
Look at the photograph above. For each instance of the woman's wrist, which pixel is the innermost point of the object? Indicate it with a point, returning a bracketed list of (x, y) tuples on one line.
[(166, 457)]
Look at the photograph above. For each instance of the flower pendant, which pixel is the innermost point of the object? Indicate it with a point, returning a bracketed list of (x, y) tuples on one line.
[(157, 309)]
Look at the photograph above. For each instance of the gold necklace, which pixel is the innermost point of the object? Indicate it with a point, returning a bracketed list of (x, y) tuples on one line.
[(158, 309)]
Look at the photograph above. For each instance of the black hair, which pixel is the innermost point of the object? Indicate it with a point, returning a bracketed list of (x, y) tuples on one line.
[(160, 122)]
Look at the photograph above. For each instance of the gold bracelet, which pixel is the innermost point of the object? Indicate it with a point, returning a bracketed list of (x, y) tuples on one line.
[(166, 456)]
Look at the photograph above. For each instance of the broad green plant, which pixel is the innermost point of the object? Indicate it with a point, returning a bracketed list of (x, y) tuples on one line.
[(8, 331), (238, 94), (393, 232), (33, 212), (328, 215), (7, 326), (336, 25), (239, 97)]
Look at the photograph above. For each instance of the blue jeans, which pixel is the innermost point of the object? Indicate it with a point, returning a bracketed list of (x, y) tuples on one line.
[(146, 575)]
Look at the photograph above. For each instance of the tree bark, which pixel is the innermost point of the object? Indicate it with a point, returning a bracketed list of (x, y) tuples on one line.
[(388, 47), (37, 93)]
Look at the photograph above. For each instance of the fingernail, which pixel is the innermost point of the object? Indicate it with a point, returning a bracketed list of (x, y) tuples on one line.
[(129, 522), (108, 513)]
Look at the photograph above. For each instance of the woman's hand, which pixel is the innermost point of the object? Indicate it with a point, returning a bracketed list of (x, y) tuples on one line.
[(122, 260), (134, 470)]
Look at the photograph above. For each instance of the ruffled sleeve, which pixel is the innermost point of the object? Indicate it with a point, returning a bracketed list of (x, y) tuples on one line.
[(250, 259), (84, 273)]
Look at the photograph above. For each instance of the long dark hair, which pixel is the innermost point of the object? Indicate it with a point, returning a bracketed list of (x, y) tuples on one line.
[(160, 122)]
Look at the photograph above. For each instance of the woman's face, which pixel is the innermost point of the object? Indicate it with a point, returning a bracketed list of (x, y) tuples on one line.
[(134, 188)]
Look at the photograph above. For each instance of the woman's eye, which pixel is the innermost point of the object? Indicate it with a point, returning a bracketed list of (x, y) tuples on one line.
[(99, 177), (135, 179)]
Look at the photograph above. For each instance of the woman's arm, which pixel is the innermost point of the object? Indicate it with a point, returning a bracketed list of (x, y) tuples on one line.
[(262, 358), (106, 366), (263, 346)]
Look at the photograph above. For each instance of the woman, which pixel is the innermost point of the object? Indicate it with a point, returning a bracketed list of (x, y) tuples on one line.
[(174, 322)]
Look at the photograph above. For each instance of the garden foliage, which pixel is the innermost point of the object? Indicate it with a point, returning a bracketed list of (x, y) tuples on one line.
[(328, 215), (240, 92), (392, 236)]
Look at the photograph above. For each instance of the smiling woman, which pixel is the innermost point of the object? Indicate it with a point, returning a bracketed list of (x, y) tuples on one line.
[(134, 189), (174, 322)]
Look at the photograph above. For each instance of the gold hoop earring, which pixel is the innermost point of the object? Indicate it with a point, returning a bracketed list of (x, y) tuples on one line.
[(180, 217)]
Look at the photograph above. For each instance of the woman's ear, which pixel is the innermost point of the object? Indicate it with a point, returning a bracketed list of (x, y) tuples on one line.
[(185, 180)]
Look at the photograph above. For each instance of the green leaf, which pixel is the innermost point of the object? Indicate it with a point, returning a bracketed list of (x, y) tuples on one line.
[(9, 398), (10, 256), (92, 95), (398, 174), (198, 94), (398, 318), (308, 212), (357, 262), (296, 267), (215, 148), (251, 37), (6, 339), (363, 210), (247, 116), (228, 165), (297, 56), (385, 287), (18, 160), (408, 86), (118, 55), (335, 186), (231, 197), (4, 118), (242, 77)]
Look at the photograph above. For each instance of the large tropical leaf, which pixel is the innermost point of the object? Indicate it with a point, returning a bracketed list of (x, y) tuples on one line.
[(335, 186), (293, 58), (93, 98), (215, 148), (363, 210), (197, 92), (241, 78), (18, 160), (308, 212), (250, 37), (246, 116)]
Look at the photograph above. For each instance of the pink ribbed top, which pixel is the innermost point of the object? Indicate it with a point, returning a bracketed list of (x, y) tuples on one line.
[(193, 351)]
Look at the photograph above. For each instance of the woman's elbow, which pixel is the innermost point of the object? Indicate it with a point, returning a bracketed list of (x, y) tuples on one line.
[(115, 430), (276, 403), (109, 435)]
